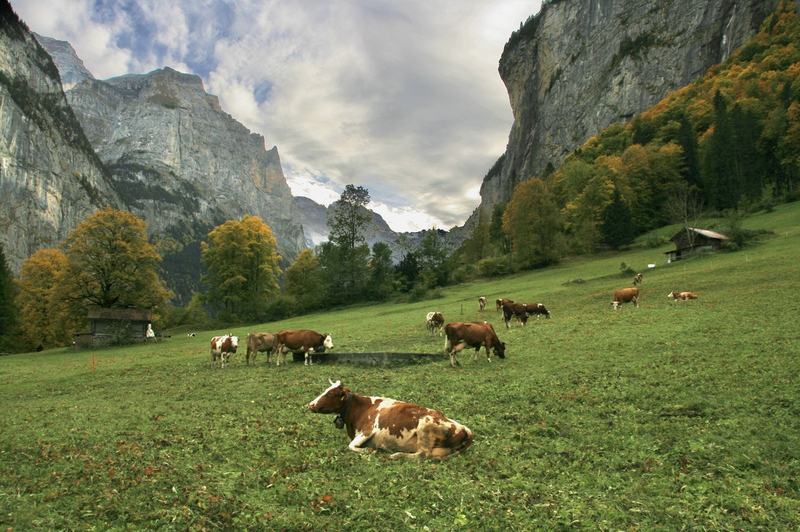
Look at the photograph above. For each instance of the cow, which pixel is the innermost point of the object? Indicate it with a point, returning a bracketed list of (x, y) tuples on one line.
[(481, 303), (407, 430), (191, 335), (515, 310), (637, 279), (626, 295), (682, 296), (475, 334), (434, 322), (304, 340), (502, 301), (222, 347), (261, 342), (538, 310)]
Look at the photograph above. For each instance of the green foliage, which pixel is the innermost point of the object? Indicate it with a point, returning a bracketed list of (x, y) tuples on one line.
[(8, 311), (533, 223), (110, 264), (672, 416), (120, 333), (617, 223), (243, 271), (303, 282)]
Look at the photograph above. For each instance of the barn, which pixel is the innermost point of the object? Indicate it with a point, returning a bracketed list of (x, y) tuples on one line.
[(105, 323), (690, 242)]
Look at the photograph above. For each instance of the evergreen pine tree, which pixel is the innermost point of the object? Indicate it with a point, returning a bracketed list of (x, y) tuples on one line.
[(617, 226)]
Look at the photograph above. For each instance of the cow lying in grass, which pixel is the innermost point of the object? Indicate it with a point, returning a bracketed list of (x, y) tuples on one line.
[(682, 296), (410, 430)]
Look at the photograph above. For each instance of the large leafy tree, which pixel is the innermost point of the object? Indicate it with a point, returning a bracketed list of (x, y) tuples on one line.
[(110, 264), (303, 281), (7, 311), (533, 222), (242, 263), (380, 272), (42, 301), (344, 257), (618, 228)]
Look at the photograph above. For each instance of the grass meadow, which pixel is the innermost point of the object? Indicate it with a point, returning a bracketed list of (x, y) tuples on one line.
[(672, 416)]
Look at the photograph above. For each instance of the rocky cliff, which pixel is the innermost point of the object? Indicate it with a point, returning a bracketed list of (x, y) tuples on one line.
[(50, 178), (183, 165), (70, 67), (581, 65)]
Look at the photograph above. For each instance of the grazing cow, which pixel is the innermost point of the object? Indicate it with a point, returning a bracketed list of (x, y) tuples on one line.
[(304, 340), (682, 296), (222, 347), (637, 279), (515, 310), (481, 303), (261, 342), (434, 322), (407, 430), (503, 301), (475, 334), (626, 295), (191, 335), (538, 310)]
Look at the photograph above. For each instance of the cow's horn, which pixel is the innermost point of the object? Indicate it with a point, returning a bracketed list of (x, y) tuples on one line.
[(330, 381)]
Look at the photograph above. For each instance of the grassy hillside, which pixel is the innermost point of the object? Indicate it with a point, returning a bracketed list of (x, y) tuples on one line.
[(675, 415)]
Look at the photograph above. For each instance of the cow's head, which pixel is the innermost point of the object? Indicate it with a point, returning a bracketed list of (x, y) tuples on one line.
[(500, 349), (616, 304), (331, 400), (671, 294), (328, 343), (234, 342)]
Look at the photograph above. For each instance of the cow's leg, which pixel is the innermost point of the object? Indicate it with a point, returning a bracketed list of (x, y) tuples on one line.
[(358, 441), (281, 351), (310, 352), (636, 302)]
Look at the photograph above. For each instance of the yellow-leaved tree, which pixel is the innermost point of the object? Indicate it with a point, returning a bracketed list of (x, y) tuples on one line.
[(242, 263), (110, 264)]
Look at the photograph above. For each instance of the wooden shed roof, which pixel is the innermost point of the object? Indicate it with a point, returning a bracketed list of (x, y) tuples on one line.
[(705, 232)]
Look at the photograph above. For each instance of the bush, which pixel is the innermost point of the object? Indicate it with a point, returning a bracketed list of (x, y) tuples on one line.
[(494, 266), (655, 241), (120, 333)]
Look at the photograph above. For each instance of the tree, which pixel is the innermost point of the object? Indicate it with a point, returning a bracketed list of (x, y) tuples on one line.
[(344, 256), (686, 208), (8, 311), (42, 302), (110, 264), (431, 255), (380, 272), (533, 223), (303, 281), (618, 229), (242, 266)]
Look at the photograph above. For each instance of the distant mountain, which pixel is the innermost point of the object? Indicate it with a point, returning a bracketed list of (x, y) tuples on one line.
[(70, 67), (180, 162)]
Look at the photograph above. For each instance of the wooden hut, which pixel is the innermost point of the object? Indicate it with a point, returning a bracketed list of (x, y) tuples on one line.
[(105, 322), (691, 241)]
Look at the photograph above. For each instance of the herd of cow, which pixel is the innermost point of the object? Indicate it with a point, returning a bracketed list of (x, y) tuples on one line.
[(304, 340), (405, 429)]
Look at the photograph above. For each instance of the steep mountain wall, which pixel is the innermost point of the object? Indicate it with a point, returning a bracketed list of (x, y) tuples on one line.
[(582, 65), (50, 179), (184, 165)]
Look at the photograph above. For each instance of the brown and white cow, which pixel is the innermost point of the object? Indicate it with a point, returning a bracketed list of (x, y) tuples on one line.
[(259, 343), (434, 322), (407, 430), (222, 347), (304, 340), (502, 301), (626, 295), (514, 310), (637, 279), (682, 296), (481, 303), (537, 309), (475, 334)]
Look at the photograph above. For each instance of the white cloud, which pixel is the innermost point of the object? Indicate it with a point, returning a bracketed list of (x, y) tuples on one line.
[(401, 98)]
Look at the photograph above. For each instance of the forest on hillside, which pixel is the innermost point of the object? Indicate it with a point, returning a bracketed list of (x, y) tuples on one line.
[(729, 141)]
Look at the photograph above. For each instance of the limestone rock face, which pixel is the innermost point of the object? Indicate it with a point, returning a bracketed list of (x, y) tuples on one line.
[(70, 67), (184, 165), (582, 65), (50, 178)]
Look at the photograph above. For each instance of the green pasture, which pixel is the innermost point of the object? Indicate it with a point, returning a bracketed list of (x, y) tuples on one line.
[(672, 416)]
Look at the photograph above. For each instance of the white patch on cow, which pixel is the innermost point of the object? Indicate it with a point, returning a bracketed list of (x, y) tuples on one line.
[(320, 396), (328, 343), (358, 441)]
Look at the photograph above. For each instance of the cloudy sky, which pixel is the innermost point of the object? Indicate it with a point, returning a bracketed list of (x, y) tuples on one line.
[(401, 97)]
